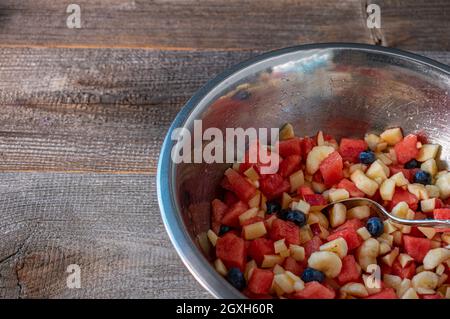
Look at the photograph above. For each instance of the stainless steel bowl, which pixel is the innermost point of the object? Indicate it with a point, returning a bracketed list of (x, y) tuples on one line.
[(342, 89)]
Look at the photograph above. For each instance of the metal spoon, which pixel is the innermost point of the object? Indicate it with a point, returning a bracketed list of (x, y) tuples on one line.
[(381, 211)]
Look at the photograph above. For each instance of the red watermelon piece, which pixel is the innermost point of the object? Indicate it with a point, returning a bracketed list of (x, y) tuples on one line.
[(350, 271), (386, 293), (290, 147), (273, 185), (442, 213), (349, 234), (231, 217), (312, 245), (404, 272), (260, 247), (350, 149), (315, 290), (402, 195), (290, 264), (307, 145), (332, 169), (218, 211), (289, 165), (283, 229), (350, 187), (241, 186), (406, 149), (260, 281), (230, 248), (305, 190), (315, 199), (416, 247)]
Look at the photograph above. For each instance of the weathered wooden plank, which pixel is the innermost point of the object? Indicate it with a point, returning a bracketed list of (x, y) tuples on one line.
[(98, 109), (220, 24), (107, 224), (183, 24), (101, 110)]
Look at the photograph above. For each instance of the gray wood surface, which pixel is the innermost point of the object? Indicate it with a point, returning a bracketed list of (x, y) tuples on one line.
[(84, 112)]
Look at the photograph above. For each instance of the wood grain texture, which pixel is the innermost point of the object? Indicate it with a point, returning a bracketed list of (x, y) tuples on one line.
[(107, 224)]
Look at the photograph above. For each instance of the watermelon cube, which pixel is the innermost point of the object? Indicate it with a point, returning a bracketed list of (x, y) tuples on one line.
[(386, 293), (406, 272), (406, 149), (434, 296), (312, 245), (307, 145), (230, 248), (289, 165), (218, 211), (231, 216), (402, 195), (290, 264), (260, 247), (350, 271), (240, 185), (273, 185), (260, 281), (315, 199), (442, 213), (287, 230), (315, 290), (290, 147), (416, 247), (353, 223), (350, 235), (350, 149), (332, 169), (305, 190)]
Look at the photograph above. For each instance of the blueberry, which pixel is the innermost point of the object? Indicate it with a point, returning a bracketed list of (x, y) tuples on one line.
[(224, 229), (367, 157), (273, 207), (241, 95), (310, 274), (375, 226), (236, 278), (295, 216), (422, 177), (412, 164)]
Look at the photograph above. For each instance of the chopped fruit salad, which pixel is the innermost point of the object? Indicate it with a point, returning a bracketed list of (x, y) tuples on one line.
[(273, 239)]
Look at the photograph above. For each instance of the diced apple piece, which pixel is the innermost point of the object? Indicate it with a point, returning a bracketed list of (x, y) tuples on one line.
[(252, 174), (387, 189), (359, 166), (338, 246), (392, 281), (212, 237), (278, 269), (220, 267), (427, 151), (405, 260), (443, 182), (389, 228), (386, 238), (390, 258), (392, 136), (354, 289), (432, 190), (302, 206), (429, 232), (338, 215), (410, 294), (285, 200), (377, 171), (381, 147), (270, 261), (287, 132), (284, 282), (293, 277), (363, 233), (297, 252), (296, 180), (338, 194), (404, 286), (372, 141), (254, 230), (384, 248), (364, 183), (385, 158), (428, 205), (255, 200), (418, 190), (252, 212), (429, 166), (400, 210), (399, 179), (316, 156), (279, 246), (359, 212)]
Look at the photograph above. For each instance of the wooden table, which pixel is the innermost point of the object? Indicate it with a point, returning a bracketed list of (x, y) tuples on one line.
[(84, 112)]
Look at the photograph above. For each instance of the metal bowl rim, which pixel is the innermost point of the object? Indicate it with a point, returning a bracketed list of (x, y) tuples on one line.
[(178, 234)]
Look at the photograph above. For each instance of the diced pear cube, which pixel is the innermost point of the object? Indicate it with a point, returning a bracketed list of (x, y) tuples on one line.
[(410, 294), (296, 180), (270, 261), (338, 194), (363, 233), (286, 132), (386, 159), (399, 179), (381, 147), (386, 238), (377, 170), (302, 206), (390, 258), (372, 141), (316, 156), (254, 230), (384, 248), (252, 174), (279, 246), (389, 228), (427, 151), (255, 200), (250, 213), (212, 237), (392, 281), (278, 269), (418, 190), (338, 215), (403, 287), (387, 189), (428, 205), (400, 210), (432, 190), (293, 277), (429, 232), (297, 252), (338, 246), (392, 136), (443, 182), (220, 267), (429, 166), (284, 282), (286, 199), (359, 166), (405, 259), (359, 212), (364, 183)]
